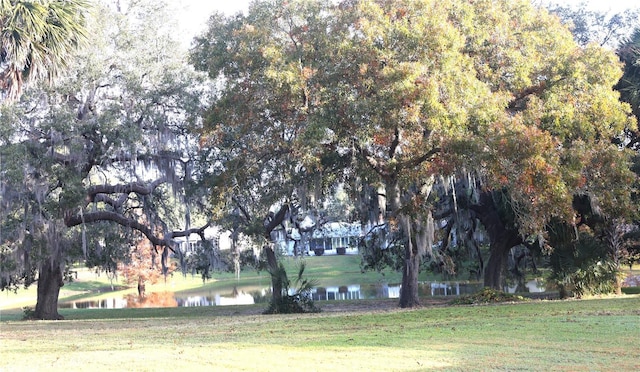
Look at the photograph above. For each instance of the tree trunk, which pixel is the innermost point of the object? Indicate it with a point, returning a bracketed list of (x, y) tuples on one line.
[(270, 223), (276, 283), (480, 262), (235, 252), (502, 236), (495, 266), (409, 290), (141, 287), (49, 284), (618, 286)]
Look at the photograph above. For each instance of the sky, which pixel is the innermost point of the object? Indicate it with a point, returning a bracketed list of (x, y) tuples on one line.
[(602, 5), (196, 12)]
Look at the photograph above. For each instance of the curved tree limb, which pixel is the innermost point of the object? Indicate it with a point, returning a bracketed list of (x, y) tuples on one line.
[(136, 187), (165, 241)]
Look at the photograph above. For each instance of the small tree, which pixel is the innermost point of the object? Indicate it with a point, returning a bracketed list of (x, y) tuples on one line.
[(143, 266)]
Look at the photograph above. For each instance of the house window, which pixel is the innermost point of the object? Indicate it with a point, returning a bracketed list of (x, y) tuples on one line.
[(193, 246)]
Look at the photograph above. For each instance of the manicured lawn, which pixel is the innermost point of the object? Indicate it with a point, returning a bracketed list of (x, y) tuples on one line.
[(595, 334), (367, 335)]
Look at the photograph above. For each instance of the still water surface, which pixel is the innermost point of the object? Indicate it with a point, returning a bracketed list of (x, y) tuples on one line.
[(250, 295)]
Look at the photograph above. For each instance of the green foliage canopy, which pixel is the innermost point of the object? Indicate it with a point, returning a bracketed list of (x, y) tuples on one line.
[(108, 142), (36, 40), (400, 93)]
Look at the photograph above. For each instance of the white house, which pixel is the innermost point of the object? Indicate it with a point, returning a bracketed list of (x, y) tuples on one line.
[(330, 238), (189, 244)]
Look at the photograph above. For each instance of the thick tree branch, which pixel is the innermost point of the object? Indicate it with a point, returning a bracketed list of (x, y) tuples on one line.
[(516, 104), (125, 157), (195, 230), (414, 162), (135, 187), (92, 217), (372, 161), (165, 241), (242, 209), (394, 143), (274, 220), (115, 204), (385, 171)]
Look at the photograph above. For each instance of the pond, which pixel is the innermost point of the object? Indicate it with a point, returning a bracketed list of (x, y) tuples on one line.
[(238, 295)]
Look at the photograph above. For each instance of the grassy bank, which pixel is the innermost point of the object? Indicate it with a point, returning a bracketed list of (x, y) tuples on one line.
[(596, 334)]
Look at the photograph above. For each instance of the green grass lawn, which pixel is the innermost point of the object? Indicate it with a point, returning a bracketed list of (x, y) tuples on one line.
[(595, 334)]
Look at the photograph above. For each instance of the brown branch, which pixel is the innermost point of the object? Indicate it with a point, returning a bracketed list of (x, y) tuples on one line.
[(372, 161), (125, 157), (516, 103), (135, 187), (524, 93), (384, 171), (243, 210), (395, 143), (274, 220), (92, 217), (115, 204), (195, 230), (411, 163), (99, 216)]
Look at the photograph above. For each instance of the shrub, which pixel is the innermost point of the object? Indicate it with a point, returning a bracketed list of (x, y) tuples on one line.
[(28, 313), (631, 290), (582, 267), (487, 296), (298, 300)]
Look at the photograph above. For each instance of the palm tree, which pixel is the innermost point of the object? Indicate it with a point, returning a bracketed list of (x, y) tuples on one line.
[(36, 39), (629, 85)]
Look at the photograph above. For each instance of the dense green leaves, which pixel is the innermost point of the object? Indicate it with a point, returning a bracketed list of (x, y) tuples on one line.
[(405, 92), (110, 141), (629, 84), (36, 40)]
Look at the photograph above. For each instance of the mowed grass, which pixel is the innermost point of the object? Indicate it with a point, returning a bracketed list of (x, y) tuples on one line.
[(595, 334)]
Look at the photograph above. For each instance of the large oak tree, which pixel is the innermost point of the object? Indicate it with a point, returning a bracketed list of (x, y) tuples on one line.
[(257, 127), (397, 94), (109, 142)]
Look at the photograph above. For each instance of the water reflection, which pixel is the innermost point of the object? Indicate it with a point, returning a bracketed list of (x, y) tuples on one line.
[(153, 299), (236, 298), (247, 296), (532, 286), (251, 295)]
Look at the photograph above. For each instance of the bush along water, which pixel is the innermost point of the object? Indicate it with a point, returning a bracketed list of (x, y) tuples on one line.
[(487, 296), (296, 300)]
